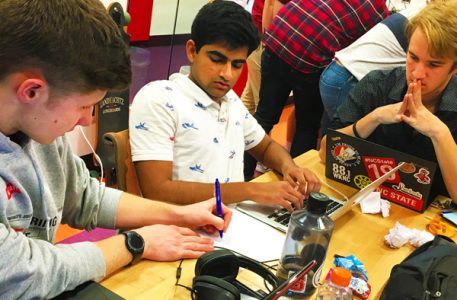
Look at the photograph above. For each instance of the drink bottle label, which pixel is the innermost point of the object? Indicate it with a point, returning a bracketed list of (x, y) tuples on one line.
[(300, 286), (305, 286)]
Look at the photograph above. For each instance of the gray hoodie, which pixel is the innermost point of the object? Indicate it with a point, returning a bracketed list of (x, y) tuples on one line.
[(42, 186)]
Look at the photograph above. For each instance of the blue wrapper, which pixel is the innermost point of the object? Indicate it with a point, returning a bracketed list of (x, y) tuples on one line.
[(352, 264)]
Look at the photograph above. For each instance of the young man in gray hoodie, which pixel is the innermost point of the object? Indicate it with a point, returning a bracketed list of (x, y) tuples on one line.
[(57, 60)]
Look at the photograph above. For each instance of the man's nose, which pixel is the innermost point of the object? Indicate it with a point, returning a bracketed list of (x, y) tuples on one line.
[(227, 72), (419, 71)]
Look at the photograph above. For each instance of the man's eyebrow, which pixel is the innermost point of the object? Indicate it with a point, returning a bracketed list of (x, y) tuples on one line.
[(433, 60), (239, 61), (222, 56), (217, 53)]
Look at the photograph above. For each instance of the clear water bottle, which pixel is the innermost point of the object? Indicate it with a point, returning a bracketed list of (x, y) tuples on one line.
[(337, 286), (308, 237)]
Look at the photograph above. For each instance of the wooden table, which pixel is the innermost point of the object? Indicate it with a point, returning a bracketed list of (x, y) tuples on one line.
[(355, 233)]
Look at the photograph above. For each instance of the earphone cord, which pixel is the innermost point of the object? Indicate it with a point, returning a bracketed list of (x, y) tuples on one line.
[(178, 276), (273, 267), (264, 263), (97, 158)]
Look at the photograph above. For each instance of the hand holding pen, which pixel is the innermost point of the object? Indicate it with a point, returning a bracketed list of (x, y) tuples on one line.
[(218, 202), (203, 216)]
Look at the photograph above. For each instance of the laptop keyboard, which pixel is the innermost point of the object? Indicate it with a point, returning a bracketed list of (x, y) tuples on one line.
[(282, 215)]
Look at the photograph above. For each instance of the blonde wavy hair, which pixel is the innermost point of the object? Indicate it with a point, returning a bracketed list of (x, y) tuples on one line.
[(438, 21)]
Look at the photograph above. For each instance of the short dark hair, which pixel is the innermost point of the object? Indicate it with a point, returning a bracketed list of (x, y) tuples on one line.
[(75, 44), (227, 23)]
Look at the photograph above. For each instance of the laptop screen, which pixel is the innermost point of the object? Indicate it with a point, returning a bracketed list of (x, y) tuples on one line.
[(357, 162)]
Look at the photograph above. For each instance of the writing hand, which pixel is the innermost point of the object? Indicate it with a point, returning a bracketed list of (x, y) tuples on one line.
[(203, 215)]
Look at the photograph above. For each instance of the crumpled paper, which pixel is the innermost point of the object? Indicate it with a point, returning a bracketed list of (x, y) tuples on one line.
[(373, 204), (400, 235)]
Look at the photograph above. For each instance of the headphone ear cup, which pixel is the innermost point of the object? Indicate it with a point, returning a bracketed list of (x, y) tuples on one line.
[(222, 264), (212, 288)]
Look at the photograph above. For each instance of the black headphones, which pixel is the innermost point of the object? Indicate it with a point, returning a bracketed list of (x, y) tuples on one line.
[(216, 272)]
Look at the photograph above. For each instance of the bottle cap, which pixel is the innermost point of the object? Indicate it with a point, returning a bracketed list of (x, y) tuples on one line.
[(317, 203), (341, 276)]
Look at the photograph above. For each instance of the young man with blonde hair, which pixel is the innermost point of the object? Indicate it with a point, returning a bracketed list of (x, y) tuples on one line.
[(413, 109), (57, 60)]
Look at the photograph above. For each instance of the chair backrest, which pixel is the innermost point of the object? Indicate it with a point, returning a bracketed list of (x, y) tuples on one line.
[(124, 169)]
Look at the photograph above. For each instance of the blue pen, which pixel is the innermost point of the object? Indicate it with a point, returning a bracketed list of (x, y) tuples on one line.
[(218, 203)]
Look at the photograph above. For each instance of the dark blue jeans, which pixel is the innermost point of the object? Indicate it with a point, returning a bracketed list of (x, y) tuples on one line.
[(277, 81), (335, 84)]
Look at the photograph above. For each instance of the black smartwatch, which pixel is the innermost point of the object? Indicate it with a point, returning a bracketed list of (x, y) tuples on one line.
[(135, 244)]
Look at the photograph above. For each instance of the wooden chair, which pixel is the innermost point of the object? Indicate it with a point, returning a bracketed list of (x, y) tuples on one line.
[(124, 170)]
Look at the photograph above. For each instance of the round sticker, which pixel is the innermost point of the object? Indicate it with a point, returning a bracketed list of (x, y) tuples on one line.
[(362, 181), (346, 154)]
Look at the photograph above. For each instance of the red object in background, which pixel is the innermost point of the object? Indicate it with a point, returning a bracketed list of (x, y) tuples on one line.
[(241, 83), (140, 24)]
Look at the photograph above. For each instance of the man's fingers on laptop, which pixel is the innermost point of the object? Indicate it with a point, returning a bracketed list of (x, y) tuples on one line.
[(305, 179), (313, 183), (296, 198), (297, 203), (313, 186), (287, 205), (303, 188), (310, 175)]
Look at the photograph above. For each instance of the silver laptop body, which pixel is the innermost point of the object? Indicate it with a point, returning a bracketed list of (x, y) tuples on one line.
[(278, 217)]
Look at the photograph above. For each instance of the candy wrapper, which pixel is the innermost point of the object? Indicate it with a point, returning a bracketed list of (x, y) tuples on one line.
[(359, 286), (352, 264), (359, 282)]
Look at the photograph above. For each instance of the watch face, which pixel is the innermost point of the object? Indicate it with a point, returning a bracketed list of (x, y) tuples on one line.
[(135, 244), (136, 241)]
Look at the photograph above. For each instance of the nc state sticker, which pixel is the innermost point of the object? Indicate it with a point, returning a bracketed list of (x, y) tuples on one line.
[(422, 176)]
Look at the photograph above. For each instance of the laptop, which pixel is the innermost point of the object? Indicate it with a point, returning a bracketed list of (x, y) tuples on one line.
[(278, 217), (88, 291), (356, 162)]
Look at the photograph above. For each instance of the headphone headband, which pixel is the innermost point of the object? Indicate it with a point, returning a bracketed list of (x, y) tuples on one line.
[(224, 265)]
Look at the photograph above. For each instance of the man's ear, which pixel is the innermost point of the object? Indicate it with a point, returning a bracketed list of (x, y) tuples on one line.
[(191, 50), (31, 89)]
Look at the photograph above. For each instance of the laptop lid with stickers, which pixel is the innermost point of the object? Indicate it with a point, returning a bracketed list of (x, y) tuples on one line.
[(357, 162)]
